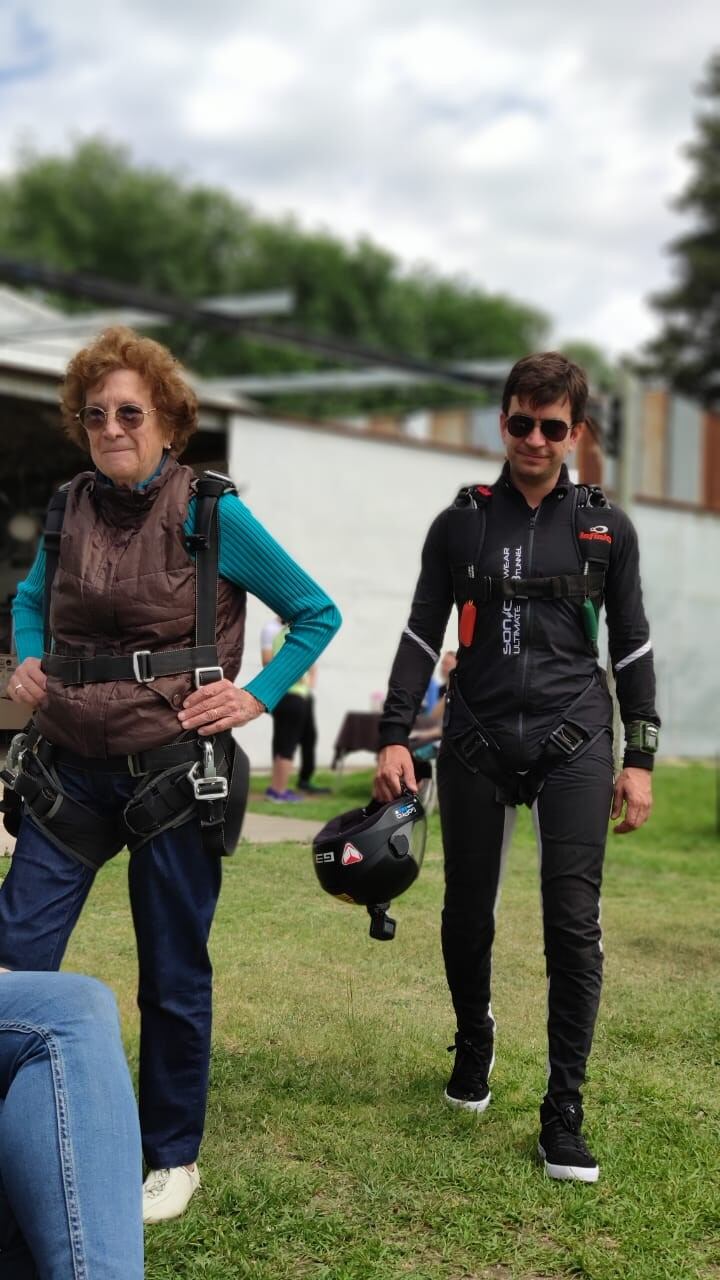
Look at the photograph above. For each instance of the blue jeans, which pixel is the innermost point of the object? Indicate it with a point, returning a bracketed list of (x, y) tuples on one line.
[(174, 886), (70, 1159)]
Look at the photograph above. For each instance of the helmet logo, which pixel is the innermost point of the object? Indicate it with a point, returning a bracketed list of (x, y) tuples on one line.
[(405, 810), (350, 855)]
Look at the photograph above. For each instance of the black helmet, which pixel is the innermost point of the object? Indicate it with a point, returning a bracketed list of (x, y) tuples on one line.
[(368, 856)]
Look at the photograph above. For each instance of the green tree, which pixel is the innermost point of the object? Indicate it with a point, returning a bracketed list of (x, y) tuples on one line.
[(96, 211), (687, 350), (593, 360)]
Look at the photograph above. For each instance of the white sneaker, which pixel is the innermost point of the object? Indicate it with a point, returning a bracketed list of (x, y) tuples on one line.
[(167, 1192)]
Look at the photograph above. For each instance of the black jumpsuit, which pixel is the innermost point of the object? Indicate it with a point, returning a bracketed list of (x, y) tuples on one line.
[(528, 664)]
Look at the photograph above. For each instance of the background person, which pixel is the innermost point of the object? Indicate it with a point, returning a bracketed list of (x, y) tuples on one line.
[(288, 723), (70, 1157), (529, 720), (428, 727), (125, 587), (308, 735)]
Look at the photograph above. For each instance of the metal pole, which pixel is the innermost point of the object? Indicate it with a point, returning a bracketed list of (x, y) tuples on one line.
[(631, 397), (630, 389), (79, 285)]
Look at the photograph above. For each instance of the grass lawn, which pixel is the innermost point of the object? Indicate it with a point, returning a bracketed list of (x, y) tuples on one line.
[(328, 1151)]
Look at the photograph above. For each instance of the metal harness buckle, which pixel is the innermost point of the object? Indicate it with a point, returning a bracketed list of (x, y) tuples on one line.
[(203, 777), (200, 672), (568, 738), (13, 760), (142, 676), (510, 593), (471, 742), (134, 766)]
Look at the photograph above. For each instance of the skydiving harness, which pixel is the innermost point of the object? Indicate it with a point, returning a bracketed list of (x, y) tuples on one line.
[(204, 775), (477, 750), (569, 738), (466, 533)]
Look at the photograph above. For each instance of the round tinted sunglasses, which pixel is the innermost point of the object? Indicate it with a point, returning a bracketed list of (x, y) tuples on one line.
[(521, 424), (130, 416)]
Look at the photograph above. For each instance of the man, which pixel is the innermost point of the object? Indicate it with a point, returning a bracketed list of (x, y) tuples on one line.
[(529, 720)]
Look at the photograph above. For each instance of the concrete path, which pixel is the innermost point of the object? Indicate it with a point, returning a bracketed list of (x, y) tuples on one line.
[(258, 828), (270, 828)]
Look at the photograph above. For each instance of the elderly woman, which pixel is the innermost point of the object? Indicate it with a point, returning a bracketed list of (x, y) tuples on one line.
[(133, 706)]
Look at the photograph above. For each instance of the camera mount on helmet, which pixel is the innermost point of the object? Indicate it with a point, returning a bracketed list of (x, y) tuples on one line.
[(382, 926), (369, 856)]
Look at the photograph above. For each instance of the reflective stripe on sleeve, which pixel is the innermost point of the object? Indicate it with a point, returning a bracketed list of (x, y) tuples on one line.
[(632, 657), (411, 636)]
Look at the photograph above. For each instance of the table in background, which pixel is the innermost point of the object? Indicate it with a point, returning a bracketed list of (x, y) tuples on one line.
[(358, 732)]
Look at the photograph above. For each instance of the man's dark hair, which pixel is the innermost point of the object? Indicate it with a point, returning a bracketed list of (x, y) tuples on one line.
[(542, 379)]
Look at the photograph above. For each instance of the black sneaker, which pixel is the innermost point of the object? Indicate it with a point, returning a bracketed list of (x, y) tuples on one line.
[(562, 1145), (311, 789), (468, 1084)]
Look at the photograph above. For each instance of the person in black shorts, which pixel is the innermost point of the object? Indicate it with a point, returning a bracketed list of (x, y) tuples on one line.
[(289, 721), (287, 735)]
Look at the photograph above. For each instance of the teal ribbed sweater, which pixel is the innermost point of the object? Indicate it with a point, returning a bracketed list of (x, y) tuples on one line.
[(250, 558)]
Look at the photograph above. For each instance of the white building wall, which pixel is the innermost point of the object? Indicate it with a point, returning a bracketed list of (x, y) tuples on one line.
[(354, 511), (680, 552)]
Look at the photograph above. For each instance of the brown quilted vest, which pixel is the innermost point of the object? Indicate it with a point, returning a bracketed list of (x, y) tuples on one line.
[(125, 581)]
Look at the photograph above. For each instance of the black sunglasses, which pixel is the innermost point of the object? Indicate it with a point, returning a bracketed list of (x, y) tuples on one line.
[(520, 425)]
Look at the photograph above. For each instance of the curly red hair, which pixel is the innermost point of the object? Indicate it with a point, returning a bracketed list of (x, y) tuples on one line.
[(122, 348)]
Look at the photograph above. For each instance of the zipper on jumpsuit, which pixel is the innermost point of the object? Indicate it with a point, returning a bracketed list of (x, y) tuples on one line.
[(528, 620)]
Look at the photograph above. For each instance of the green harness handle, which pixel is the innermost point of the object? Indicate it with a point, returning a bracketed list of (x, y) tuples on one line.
[(590, 617)]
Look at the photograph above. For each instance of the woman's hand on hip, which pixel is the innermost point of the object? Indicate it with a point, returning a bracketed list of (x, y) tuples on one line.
[(219, 706), (28, 683)]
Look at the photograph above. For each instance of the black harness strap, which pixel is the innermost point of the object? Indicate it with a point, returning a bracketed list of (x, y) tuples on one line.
[(466, 537), (475, 748), (166, 801), (592, 524), (466, 529), (89, 836), (143, 665), (565, 586), (165, 798), (204, 541), (169, 798), (187, 752), (172, 792), (594, 541), (52, 533)]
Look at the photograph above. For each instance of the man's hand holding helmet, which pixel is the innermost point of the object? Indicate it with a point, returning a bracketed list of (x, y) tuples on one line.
[(394, 771)]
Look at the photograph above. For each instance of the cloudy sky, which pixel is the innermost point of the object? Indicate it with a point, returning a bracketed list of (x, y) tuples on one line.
[(531, 147)]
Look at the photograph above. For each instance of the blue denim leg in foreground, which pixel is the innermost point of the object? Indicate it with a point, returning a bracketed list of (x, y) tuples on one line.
[(70, 1160)]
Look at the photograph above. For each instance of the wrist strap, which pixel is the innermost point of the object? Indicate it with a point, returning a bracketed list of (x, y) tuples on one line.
[(642, 735)]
